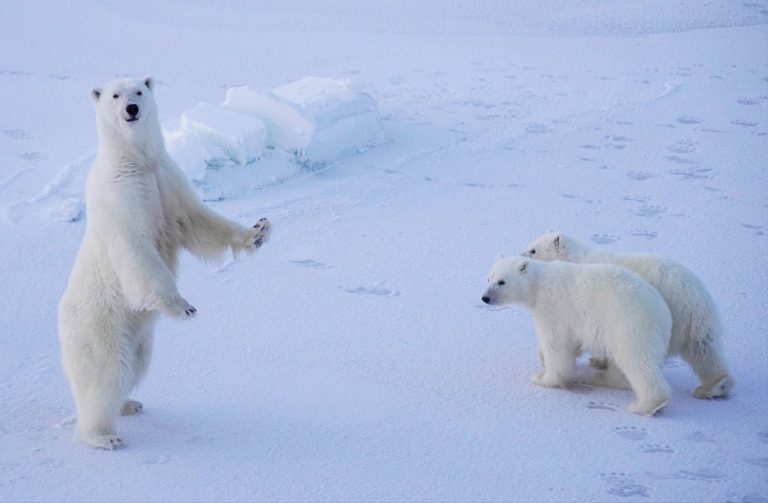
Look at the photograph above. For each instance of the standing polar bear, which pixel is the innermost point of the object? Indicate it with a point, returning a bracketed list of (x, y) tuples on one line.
[(141, 211), (597, 307), (695, 325)]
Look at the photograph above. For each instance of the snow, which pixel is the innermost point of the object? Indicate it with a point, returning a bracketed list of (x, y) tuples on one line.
[(240, 137), (321, 120), (352, 358)]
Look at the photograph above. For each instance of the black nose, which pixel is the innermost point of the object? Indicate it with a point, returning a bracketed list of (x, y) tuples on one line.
[(486, 299), (132, 109)]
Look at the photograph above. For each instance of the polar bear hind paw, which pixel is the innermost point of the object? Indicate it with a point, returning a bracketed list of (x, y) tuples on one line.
[(717, 388), (261, 232), (131, 407), (647, 407)]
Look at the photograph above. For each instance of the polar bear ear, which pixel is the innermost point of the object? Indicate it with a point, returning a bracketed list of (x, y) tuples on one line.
[(499, 256), (523, 267), (556, 242), (96, 94), (150, 83)]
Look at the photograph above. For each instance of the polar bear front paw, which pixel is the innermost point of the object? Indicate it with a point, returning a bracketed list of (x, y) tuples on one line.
[(259, 233), (107, 441), (543, 379), (181, 308)]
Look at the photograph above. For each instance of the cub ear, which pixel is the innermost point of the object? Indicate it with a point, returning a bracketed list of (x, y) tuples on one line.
[(96, 94), (523, 267), (150, 83), (499, 256)]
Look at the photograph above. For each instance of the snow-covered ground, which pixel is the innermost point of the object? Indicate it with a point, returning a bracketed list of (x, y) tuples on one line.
[(352, 358)]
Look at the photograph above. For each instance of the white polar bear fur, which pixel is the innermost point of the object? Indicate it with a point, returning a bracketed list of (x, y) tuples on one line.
[(696, 329), (595, 307), (141, 211)]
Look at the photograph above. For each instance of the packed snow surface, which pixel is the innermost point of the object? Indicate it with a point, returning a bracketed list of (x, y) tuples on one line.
[(398, 147)]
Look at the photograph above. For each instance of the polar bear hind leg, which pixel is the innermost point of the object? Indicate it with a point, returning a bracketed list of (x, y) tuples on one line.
[(704, 358), (651, 389)]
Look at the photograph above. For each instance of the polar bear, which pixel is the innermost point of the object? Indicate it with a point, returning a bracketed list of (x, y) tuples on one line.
[(596, 307), (696, 327), (141, 211)]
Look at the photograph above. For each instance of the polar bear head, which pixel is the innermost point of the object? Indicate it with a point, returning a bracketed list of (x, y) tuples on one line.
[(511, 280), (555, 246), (126, 110)]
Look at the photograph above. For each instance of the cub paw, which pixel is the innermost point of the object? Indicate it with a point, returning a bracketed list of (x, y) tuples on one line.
[(180, 308), (259, 233), (131, 407)]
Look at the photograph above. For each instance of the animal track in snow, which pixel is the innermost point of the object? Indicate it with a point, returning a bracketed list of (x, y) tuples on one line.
[(757, 228), (644, 234), (700, 475), (757, 462), (624, 485), (698, 436), (692, 173), (641, 175), (687, 119), (683, 147), (377, 290), (604, 239), (649, 210), (631, 432), (16, 134), (537, 128), (744, 123), (33, 156), (603, 406), (657, 448), (311, 264), (681, 160)]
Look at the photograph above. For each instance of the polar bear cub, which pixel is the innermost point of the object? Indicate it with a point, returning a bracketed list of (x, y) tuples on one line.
[(141, 211), (696, 329), (595, 307)]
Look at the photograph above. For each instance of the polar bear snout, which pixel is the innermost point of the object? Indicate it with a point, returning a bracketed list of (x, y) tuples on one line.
[(489, 298), (132, 109)]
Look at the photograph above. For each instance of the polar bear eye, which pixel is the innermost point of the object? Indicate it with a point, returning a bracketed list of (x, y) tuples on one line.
[(533, 251), (115, 95), (138, 93), (501, 282)]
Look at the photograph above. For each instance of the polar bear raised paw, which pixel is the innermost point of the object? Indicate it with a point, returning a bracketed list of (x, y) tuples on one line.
[(260, 233)]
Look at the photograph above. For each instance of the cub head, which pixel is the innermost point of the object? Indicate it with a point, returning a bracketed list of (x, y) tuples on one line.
[(553, 246), (510, 281), (125, 105)]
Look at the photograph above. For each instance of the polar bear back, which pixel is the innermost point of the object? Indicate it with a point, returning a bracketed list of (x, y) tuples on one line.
[(693, 310), (598, 301)]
